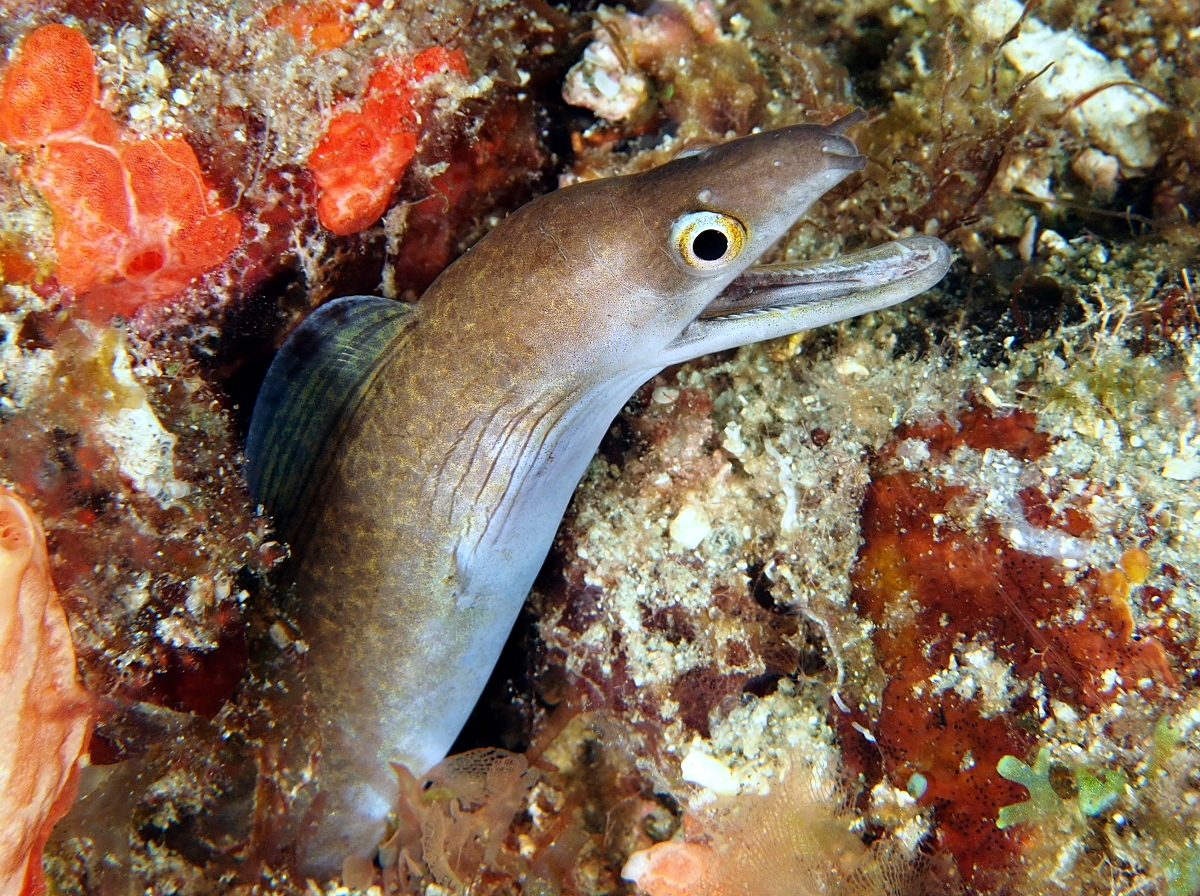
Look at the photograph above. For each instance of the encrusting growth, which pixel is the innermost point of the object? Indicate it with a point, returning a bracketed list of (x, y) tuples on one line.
[(797, 839)]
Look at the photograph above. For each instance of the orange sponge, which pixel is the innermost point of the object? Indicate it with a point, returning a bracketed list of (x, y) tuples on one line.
[(364, 152), (45, 714), (134, 220), (325, 25), (356, 166), (50, 89)]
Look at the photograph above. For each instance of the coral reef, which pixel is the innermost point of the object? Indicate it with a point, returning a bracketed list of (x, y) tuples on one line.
[(45, 715)]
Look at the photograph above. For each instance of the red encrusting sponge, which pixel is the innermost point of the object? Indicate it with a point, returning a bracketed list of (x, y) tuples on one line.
[(134, 219), (364, 152), (50, 89)]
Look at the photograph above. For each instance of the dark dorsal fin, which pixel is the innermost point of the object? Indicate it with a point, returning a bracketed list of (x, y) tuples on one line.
[(311, 390)]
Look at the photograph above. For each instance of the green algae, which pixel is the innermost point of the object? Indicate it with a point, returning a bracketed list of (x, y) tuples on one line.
[(1095, 790)]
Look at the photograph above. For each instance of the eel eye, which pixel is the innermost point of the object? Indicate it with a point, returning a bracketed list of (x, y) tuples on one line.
[(708, 241)]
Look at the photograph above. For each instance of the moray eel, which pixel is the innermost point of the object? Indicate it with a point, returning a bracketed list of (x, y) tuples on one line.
[(419, 458)]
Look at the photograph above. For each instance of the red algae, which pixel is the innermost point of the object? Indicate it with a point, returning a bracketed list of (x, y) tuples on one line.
[(927, 575), (135, 221), (1015, 433), (364, 152)]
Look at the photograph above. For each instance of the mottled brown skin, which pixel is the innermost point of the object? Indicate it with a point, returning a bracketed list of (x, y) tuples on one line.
[(442, 497)]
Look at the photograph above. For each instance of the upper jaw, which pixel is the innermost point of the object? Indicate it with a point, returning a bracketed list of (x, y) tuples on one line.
[(774, 300)]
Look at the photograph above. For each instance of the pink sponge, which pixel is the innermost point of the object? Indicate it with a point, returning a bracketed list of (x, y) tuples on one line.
[(45, 714)]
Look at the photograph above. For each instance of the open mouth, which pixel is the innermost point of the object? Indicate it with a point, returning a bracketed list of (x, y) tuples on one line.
[(875, 277)]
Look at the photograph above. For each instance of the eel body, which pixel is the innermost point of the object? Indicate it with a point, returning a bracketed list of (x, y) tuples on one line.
[(419, 458)]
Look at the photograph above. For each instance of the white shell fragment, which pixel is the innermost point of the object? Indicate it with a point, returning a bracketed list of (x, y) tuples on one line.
[(690, 527), (601, 83), (698, 767), (1114, 118), (1183, 469)]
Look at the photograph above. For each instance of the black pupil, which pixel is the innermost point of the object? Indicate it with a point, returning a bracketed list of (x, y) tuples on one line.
[(710, 245)]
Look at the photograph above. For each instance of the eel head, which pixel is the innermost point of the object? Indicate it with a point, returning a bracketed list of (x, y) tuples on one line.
[(638, 272)]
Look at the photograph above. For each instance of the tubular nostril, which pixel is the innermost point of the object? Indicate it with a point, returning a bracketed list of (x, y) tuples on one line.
[(842, 154), (846, 121)]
